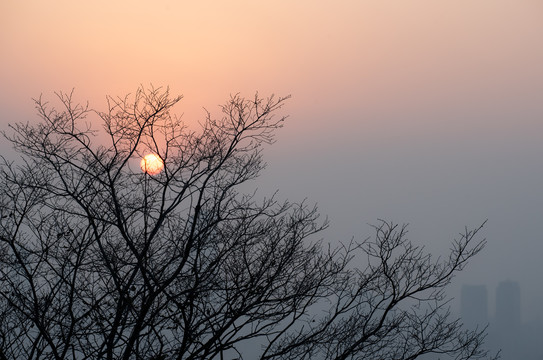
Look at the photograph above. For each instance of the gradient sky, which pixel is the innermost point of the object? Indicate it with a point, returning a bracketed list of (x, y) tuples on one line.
[(427, 112)]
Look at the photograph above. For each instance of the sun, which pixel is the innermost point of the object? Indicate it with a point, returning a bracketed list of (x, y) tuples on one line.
[(151, 164)]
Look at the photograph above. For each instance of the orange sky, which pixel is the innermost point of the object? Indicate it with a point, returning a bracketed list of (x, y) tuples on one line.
[(424, 111), (403, 55)]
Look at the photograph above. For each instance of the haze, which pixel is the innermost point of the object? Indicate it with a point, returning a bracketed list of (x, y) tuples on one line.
[(425, 112)]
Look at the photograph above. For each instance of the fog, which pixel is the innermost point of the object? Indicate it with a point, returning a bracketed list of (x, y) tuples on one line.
[(422, 112)]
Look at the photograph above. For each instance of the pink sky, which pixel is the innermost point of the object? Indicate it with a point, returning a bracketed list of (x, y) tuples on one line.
[(407, 56), (423, 111)]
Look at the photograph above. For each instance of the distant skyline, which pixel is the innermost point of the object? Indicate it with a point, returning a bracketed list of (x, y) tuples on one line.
[(517, 335), (423, 112)]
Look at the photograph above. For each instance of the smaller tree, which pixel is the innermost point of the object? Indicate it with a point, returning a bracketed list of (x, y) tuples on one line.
[(101, 260)]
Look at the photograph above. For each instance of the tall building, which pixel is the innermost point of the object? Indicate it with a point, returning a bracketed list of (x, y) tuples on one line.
[(508, 305), (474, 305)]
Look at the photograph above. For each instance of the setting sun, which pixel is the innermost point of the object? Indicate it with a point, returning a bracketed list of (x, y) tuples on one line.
[(151, 164)]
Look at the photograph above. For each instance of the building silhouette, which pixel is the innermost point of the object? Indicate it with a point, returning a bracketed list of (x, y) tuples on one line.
[(506, 332), (474, 306), (508, 305)]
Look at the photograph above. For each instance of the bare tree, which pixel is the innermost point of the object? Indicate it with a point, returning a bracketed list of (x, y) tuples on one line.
[(99, 260)]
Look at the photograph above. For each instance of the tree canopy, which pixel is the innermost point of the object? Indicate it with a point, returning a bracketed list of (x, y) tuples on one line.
[(100, 260)]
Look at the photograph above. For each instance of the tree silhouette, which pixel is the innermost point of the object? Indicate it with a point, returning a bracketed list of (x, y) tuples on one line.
[(99, 260)]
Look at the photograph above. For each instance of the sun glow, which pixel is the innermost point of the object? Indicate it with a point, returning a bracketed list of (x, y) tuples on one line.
[(151, 164)]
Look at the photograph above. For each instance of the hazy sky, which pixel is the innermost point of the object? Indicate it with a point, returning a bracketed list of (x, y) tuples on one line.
[(427, 112)]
